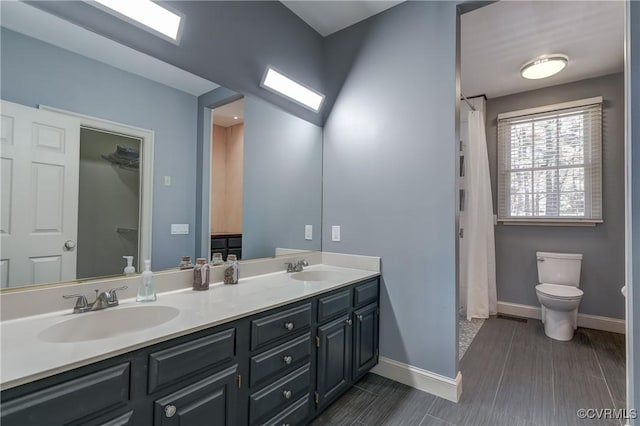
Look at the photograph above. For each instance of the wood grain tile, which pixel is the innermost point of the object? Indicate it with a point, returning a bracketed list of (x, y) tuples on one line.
[(611, 354), (433, 421), (526, 388), (347, 409), (375, 384), (399, 405), (481, 368)]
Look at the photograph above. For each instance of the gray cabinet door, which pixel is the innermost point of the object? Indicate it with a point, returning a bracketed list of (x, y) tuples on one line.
[(365, 340), (334, 358), (211, 401)]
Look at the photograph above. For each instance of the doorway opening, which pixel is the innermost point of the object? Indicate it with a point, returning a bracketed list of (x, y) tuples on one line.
[(227, 156), (108, 202)]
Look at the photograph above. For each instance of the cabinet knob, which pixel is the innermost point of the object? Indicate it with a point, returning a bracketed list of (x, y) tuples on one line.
[(288, 326), (170, 410), (286, 394), (286, 424), (287, 359), (360, 317), (349, 322)]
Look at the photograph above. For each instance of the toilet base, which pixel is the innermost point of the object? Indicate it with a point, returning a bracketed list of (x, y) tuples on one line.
[(559, 325)]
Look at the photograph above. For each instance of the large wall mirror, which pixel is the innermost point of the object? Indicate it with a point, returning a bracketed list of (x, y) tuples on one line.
[(100, 147)]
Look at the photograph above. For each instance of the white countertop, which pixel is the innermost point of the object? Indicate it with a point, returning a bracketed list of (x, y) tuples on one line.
[(25, 357)]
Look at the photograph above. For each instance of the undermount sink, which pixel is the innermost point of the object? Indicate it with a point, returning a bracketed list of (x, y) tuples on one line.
[(315, 275), (107, 323)]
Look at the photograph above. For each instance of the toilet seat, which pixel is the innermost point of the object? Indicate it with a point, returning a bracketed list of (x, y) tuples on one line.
[(557, 291)]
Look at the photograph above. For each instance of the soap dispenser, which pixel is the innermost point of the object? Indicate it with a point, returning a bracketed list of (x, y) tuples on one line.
[(129, 269), (147, 291)]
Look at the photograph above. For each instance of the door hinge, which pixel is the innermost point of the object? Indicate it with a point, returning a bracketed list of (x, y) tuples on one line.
[(317, 398), (461, 232), (318, 341), (239, 380)]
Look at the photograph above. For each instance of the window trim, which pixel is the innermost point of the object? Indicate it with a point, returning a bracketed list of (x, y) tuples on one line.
[(539, 220)]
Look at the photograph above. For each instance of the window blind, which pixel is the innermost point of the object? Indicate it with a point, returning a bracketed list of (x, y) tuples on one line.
[(550, 164)]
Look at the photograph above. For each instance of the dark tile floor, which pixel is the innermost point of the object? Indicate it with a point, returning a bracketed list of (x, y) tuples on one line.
[(512, 374)]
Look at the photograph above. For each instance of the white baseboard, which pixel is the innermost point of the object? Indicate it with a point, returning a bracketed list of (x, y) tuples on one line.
[(613, 325), (423, 380)]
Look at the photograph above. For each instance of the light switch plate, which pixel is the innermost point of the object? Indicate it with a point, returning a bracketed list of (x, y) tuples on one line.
[(179, 228), (308, 232), (167, 181), (335, 233)]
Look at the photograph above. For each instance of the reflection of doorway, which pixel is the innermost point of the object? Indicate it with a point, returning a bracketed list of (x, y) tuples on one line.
[(108, 202), (227, 141)]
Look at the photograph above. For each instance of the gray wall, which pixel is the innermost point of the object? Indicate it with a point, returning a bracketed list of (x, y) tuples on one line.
[(603, 267), (228, 42), (633, 319), (109, 198), (282, 182), (389, 172), (78, 84)]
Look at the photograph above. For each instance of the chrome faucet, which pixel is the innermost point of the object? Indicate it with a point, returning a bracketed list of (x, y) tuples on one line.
[(104, 300), (296, 267)]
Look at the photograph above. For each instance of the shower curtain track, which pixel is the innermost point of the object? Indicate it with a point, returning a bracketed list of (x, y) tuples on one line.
[(467, 101)]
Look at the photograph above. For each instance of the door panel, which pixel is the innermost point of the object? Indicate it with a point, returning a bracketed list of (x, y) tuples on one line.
[(334, 358), (365, 340), (39, 206)]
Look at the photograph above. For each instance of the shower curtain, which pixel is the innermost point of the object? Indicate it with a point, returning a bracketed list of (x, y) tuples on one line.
[(478, 237)]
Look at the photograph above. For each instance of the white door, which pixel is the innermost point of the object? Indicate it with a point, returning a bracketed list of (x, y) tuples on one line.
[(39, 153)]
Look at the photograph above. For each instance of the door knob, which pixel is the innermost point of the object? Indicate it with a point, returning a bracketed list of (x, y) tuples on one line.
[(69, 245), (170, 410)]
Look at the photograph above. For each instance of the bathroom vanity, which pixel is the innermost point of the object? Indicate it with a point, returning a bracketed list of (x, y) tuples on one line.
[(278, 365)]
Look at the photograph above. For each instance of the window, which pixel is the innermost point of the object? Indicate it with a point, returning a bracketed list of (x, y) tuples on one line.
[(549, 163)]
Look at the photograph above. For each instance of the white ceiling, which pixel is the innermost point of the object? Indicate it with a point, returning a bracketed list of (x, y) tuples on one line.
[(498, 39), (327, 17), (224, 115), (33, 22)]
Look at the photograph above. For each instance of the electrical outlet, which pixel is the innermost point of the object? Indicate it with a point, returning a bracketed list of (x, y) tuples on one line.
[(167, 181), (335, 233), (179, 228), (308, 232)]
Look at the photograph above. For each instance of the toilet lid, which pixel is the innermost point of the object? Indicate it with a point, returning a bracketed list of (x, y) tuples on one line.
[(560, 291)]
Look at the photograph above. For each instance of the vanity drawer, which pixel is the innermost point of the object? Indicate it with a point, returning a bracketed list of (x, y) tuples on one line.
[(235, 242), (218, 243), (280, 359), (365, 293), (173, 364), (272, 327), (334, 305), (279, 394), (70, 401), (297, 414)]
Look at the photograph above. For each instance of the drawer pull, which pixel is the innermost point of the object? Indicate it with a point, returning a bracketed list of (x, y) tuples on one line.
[(286, 394), (170, 410), (288, 326), (287, 359), (349, 322), (360, 318)]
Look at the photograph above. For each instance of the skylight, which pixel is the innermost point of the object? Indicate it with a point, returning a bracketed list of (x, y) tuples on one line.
[(148, 14), (284, 86)]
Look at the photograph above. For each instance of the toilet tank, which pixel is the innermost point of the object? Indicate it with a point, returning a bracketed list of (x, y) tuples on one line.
[(559, 268)]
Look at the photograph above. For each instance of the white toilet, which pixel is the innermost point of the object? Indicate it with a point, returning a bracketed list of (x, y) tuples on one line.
[(558, 293)]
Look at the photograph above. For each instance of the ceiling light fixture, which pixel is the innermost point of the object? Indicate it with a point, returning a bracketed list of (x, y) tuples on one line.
[(544, 66), (279, 83), (145, 14)]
